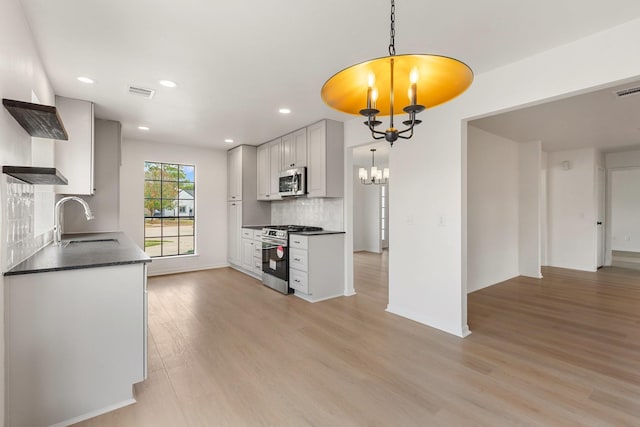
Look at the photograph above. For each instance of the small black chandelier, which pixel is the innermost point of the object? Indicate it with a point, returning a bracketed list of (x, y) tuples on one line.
[(378, 176)]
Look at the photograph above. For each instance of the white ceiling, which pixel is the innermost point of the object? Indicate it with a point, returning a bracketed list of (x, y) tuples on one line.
[(597, 119), (236, 63)]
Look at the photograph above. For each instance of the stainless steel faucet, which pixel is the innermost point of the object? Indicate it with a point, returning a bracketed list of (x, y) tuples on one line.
[(57, 228)]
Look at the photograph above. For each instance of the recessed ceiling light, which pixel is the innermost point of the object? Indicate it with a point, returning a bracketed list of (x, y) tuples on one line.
[(143, 127), (284, 111), (167, 83), (228, 140), (86, 80)]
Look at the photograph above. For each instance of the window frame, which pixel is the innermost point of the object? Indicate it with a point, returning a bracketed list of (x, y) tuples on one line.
[(155, 186)]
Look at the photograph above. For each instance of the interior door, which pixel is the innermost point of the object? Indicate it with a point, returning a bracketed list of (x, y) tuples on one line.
[(600, 230)]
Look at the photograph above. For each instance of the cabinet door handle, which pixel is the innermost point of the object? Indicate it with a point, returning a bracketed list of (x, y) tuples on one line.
[(297, 259), (296, 241), (292, 164), (297, 281), (268, 195), (233, 197)]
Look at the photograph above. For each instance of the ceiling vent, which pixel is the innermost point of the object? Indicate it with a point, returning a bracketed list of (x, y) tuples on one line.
[(141, 91), (627, 92)]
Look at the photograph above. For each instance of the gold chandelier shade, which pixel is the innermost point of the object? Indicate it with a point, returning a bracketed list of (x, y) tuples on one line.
[(436, 80)]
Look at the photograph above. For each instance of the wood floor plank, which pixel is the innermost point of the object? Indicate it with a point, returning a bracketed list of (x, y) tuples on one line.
[(226, 351)]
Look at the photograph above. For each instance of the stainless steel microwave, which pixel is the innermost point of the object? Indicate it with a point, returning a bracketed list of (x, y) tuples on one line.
[(293, 182)]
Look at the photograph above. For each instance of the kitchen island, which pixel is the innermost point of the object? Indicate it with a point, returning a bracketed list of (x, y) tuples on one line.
[(76, 329)]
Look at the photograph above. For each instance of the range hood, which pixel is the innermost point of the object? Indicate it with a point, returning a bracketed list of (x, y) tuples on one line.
[(42, 121), (36, 175)]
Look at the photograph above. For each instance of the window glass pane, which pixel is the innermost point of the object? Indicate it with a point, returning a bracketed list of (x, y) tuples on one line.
[(152, 227), (153, 208), (152, 189), (170, 172), (186, 227), (169, 227), (169, 246), (153, 247), (186, 190), (169, 192), (187, 173), (152, 170), (186, 245)]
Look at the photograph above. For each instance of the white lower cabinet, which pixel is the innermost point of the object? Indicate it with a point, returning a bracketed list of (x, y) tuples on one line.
[(316, 266), (252, 252), (75, 343)]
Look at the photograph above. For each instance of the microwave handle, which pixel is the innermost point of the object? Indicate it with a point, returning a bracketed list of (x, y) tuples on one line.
[(296, 185)]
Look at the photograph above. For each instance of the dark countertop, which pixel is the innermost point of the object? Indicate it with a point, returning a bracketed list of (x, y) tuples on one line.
[(316, 233), (83, 251)]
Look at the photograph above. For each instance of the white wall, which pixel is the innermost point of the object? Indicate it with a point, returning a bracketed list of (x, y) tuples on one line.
[(366, 216), (429, 183), (211, 201), (21, 75), (625, 210), (492, 209), (529, 209), (105, 203), (572, 209)]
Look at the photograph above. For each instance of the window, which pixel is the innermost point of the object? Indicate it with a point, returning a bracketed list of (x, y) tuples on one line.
[(169, 209)]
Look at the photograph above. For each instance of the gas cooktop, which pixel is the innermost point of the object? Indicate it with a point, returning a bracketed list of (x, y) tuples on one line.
[(294, 228)]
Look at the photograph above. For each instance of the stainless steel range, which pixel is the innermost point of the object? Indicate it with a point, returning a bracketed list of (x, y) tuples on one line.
[(275, 255)]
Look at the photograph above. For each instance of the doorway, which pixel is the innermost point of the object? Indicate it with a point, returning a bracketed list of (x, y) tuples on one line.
[(370, 218)]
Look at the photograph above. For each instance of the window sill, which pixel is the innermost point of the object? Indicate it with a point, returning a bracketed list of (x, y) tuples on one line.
[(175, 256)]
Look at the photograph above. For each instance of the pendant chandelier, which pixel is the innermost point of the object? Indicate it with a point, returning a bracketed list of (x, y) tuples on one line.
[(378, 176), (378, 87)]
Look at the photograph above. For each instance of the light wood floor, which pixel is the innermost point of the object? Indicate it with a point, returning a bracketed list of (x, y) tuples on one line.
[(224, 350)]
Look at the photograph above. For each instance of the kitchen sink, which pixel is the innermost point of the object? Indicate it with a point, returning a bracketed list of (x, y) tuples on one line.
[(100, 242)]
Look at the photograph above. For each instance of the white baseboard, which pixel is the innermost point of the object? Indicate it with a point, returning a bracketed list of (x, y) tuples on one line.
[(461, 332), (174, 270), (95, 413)]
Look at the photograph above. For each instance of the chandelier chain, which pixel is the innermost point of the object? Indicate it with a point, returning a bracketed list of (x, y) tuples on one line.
[(392, 41)]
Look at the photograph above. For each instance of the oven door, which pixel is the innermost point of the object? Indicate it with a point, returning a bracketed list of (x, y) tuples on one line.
[(274, 258)]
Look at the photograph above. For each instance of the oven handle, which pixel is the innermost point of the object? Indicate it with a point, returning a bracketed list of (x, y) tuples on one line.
[(272, 242)]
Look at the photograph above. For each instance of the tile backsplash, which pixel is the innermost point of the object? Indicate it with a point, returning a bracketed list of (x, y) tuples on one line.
[(20, 215), (327, 213)]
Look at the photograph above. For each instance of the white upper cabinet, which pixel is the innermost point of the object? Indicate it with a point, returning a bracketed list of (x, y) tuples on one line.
[(294, 150), (269, 157), (325, 161), (234, 167), (264, 172), (74, 158), (275, 148)]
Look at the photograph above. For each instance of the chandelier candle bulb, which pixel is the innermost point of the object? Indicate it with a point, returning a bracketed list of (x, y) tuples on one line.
[(385, 173), (413, 91)]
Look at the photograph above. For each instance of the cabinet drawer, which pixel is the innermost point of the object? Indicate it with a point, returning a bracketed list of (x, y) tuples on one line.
[(298, 259), (298, 241), (247, 233), (298, 280), (257, 235), (257, 250)]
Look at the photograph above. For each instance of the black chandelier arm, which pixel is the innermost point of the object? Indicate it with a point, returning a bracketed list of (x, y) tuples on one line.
[(373, 131)]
